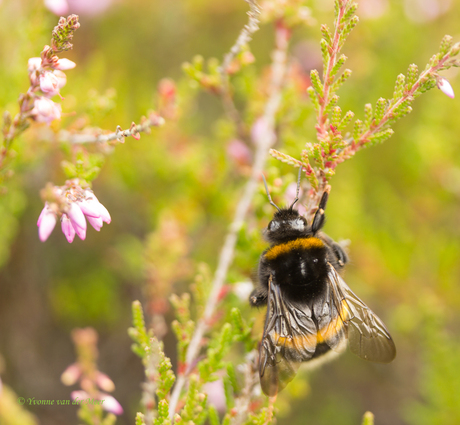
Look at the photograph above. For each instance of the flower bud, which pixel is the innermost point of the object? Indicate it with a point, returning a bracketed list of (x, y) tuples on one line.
[(46, 223), (45, 110), (111, 405), (104, 382), (445, 87), (64, 64), (71, 375), (67, 229), (58, 7)]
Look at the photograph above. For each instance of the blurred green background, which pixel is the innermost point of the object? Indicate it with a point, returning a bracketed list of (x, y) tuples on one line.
[(172, 194)]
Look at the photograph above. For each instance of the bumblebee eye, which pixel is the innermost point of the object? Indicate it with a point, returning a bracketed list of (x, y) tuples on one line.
[(273, 225)]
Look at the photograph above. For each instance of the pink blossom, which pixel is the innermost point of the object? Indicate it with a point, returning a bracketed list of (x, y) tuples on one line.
[(104, 382), (67, 228), (216, 394), (110, 404), (51, 82), (104, 213), (90, 207), (34, 64), (239, 152), (78, 220), (445, 87), (89, 7), (58, 7), (64, 64), (71, 375), (46, 223), (45, 110), (96, 222), (79, 395)]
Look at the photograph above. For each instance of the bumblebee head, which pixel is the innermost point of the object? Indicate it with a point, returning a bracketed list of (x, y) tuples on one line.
[(287, 224)]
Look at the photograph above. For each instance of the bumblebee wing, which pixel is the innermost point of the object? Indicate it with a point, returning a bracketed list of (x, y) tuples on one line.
[(368, 337), (289, 338), (331, 314)]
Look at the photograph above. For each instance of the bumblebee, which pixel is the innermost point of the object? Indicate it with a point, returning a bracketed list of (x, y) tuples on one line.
[(311, 311)]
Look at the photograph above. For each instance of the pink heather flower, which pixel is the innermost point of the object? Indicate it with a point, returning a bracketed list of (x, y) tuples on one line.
[(51, 82), (58, 7), (79, 395), (104, 213), (104, 382), (216, 394), (96, 222), (34, 64), (110, 404), (64, 64), (445, 87), (78, 220), (89, 7), (45, 110), (90, 207), (46, 223), (259, 130), (71, 375), (67, 228), (239, 152)]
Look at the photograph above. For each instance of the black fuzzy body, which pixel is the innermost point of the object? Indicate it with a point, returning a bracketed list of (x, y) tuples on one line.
[(300, 272)]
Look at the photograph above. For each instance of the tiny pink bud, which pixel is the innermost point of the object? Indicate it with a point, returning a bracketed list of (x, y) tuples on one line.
[(67, 228), (58, 7), (104, 382), (64, 64), (51, 82), (110, 404), (216, 394), (79, 395), (76, 216), (96, 222), (45, 110), (34, 64), (104, 213), (445, 87), (41, 214), (71, 375), (90, 207), (47, 222)]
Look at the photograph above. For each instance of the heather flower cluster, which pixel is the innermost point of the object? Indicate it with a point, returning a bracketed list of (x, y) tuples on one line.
[(94, 384), (46, 79), (72, 203)]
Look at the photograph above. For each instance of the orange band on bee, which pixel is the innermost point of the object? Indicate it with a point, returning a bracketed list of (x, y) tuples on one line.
[(300, 243), (311, 340)]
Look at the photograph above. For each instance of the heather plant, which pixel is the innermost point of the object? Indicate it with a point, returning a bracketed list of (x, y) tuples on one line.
[(282, 110)]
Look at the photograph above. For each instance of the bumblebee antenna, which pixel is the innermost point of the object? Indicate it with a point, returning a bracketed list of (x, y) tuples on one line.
[(298, 189), (268, 194)]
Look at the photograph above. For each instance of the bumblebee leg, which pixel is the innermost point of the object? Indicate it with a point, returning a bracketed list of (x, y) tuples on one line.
[(342, 257), (319, 219), (258, 297)]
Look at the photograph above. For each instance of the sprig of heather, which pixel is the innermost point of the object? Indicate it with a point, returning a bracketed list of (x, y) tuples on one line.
[(46, 79), (334, 144), (94, 384)]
